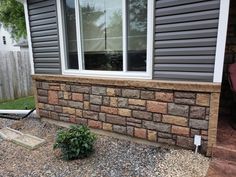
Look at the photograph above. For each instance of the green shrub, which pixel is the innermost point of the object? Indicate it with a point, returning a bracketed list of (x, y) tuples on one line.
[(75, 142)]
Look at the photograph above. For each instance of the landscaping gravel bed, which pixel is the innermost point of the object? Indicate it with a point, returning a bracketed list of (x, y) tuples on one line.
[(112, 157)]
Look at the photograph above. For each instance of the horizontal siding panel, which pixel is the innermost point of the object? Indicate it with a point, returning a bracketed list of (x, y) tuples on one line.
[(189, 8), (185, 67), (46, 54), (43, 22), (45, 38), (184, 59), (186, 76), (46, 60), (43, 16), (41, 4), (185, 51), (168, 3), (44, 27), (44, 33), (206, 33), (187, 26), (186, 43), (49, 65), (46, 49), (42, 10), (203, 15), (47, 70), (45, 44)]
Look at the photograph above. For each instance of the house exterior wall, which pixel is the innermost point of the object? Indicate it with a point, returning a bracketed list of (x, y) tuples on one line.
[(184, 40), (163, 112)]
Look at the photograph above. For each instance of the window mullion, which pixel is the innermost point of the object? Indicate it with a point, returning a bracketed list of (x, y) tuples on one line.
[(124, 37), (79, 35)]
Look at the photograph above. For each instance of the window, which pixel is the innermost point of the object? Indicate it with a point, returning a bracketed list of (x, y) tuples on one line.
[(107, 37), (4, 40)]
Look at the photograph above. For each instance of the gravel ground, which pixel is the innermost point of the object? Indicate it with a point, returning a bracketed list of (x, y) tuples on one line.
[(112, 157)]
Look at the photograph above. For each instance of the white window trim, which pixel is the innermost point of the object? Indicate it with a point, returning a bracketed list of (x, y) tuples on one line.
[(117, 74), (221, 40)]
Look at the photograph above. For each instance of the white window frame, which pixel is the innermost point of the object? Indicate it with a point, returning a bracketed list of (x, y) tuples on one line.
[(97, 73)]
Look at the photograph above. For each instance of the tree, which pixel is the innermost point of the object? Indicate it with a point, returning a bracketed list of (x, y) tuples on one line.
[(12, 17)]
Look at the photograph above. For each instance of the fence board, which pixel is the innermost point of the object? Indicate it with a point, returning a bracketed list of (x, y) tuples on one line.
[(15, 79)]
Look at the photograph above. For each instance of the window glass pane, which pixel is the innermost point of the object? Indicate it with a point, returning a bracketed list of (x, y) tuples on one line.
[(70, 32), (101, 31), (137, 35)]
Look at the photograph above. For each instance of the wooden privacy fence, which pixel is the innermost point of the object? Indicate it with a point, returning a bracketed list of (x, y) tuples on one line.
[(15, 75)]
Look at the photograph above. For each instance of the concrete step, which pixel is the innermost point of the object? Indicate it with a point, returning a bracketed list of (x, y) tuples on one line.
[(224, 153), (9, 134), (221, 168)]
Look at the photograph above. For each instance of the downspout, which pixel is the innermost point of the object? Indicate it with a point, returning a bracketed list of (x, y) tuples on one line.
[(13, 114)]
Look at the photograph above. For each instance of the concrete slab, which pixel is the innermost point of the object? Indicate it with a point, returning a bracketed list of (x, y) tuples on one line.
[(9, 134), (29, 141)]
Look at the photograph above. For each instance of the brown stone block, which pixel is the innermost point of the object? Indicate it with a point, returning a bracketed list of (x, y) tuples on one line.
[(81, 89), (109, 110), (157, 117), (75, 104), (114, 101), (122, 102), (95, 99), (164, 96), (176, 120), (95, 124), (197, 112), (130, 131), (72, 119), (98, 90), (54, 115), (113, 92), (119, 129), (77, 97), (152, 135), (114, 119), (185, 101), (63, 102), (41, 105), (150, 125), (107, 126), (203, 99), (140, 133), (79, 112), (124, 112), (137, 102), (42, 99), (55, 87), (134, 120), (130, 93), (142, 115), (58, 109), (49, 107), (198, 124), (68, 110), (43, 113), (180, 130), (184, 95), (178, 110), (157, 107), (102, 117), (42, 92), (106, 101), (134, 124), (166, 141), (194, 132), (95, 108), (185, 142), (90, 115), (52, 97), (81, 121), (86, 105), (147, 95)]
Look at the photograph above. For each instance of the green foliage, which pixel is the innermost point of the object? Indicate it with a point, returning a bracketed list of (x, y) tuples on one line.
[(75, 142), (12, 17)]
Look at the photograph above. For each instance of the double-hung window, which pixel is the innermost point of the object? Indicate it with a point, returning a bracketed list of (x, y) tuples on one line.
[(107, 37)]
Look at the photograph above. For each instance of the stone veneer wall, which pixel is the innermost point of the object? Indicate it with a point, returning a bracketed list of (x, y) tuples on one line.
[(163, 112)]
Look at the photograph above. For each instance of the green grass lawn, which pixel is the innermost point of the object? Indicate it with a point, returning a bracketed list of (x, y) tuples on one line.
[(19, 104)]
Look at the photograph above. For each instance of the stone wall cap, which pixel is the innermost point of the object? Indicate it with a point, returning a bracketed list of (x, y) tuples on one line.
[(139, 83)]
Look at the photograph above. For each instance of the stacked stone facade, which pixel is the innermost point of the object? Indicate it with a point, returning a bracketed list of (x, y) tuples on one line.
[(159, 115)]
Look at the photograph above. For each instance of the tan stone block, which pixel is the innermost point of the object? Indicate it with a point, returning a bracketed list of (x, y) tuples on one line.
[(63, 87), (113, 101), (203, 99), (107, 126), (152, 135), (176, 120), (52, 97), (124, 112), (109, 110), (95, 124), (164, 96), (140, 133), (41, 105), (68, 110), (78, 112), (86, 105), (111, 92), (77, 97), (67, 95), (180, 130), (158, 107), (54, 87), (137, 102)]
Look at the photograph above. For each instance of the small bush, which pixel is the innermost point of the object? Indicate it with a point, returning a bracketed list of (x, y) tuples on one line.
[(75, 142)]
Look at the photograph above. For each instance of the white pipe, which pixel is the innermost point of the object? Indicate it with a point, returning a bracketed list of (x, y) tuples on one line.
[(9, 111)]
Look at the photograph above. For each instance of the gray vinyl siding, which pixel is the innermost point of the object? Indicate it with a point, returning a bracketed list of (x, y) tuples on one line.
[(185, 39), (44, 36)]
